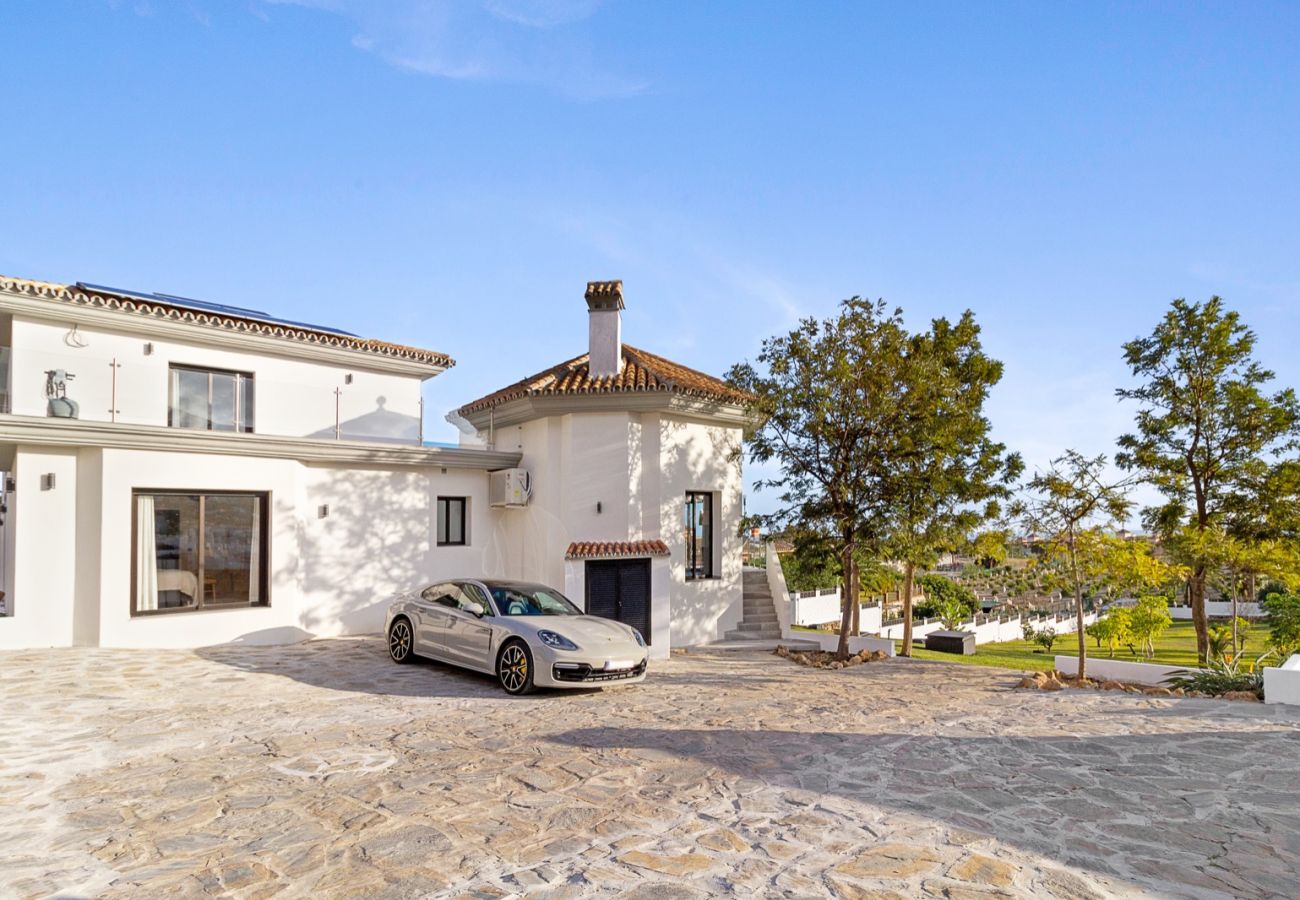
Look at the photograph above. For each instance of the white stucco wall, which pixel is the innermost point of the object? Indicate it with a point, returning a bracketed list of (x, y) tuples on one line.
[(292, 397), (45, 567), (328, 576), (620, 476)]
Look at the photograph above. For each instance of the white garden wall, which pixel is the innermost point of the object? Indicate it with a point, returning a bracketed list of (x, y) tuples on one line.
[(1220, 609), (1103, 669)]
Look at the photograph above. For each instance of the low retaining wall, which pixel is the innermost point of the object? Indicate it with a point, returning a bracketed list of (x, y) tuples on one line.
[(1282, 684), (991, 630), (831, 642), (1118, 670)]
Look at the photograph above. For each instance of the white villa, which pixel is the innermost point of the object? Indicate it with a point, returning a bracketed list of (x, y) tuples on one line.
[(177, 474)]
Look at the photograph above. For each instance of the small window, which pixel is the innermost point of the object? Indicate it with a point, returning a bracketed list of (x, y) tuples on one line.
[(451, 521), (699, 535), (210, 400)]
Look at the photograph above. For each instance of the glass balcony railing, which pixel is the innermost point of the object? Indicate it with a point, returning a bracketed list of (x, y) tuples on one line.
[(142, 391)]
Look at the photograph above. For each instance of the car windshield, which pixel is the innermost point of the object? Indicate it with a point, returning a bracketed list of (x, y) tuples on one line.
[(520, 600)]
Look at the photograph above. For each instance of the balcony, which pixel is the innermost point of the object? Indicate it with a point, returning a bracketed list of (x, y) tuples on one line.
[(146, 390)]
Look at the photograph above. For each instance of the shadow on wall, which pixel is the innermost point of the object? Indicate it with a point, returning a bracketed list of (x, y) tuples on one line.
[(701, 459), (374, 544), (1080, 800), (379, 424)]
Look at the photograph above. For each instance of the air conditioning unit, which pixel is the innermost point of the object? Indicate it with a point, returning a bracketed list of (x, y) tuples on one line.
[(509, 487)]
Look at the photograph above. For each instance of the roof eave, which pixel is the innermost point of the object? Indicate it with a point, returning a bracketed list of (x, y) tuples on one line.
[(537, 406), (49, 307)]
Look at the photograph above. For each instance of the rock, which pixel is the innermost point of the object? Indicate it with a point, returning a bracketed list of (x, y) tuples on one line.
[(1157, 692), (980, 869), (1052, 686), (891, 861), (723, 840), (676, 865), (1027, 682), (1112, 686), (1248, 696)]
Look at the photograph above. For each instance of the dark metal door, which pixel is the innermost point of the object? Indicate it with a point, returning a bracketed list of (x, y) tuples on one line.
[(620, 589)]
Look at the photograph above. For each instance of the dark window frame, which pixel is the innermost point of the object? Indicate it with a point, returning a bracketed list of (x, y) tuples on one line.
[(693, 562), (442, 525), (263, 549), (245, 419)]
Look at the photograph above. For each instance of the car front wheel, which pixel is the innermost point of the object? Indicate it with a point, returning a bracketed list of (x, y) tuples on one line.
[(515, 668), (401, 642)]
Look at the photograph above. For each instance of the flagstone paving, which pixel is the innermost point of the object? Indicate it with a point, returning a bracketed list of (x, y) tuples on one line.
[(323, 770)]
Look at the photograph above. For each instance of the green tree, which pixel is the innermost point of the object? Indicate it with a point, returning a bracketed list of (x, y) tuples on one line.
[(1148, 619), (1059, 506), (944, 592), (829, 400), (945, 474), (989, 547), (1204, 426)]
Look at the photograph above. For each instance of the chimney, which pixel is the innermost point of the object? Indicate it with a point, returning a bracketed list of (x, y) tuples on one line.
[(605, 327)]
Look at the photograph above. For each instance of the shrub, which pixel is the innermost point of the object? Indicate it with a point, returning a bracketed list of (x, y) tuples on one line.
[(1283, 622), (1045, 638), (1223, 676)]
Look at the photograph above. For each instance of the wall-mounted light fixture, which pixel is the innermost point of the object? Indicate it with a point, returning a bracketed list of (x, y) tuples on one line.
[(598, 509), (323, 511), (347, 379), (10, 484), (148, 348), (47, 482)]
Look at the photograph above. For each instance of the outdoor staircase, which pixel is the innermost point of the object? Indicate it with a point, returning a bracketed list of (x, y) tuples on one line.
[(758, 620)]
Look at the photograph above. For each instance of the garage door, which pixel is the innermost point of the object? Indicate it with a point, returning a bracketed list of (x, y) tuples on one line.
[(620, 589)]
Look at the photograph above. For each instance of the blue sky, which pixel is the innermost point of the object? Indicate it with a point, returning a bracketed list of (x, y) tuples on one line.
[(451, 174)]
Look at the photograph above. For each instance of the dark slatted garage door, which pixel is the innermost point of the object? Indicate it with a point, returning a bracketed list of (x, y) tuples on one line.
[(620, 589)]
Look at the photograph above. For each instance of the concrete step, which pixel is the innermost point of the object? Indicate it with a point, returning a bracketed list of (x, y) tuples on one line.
[(759, 603), (756, 590), (757, 617), (773, 635), (759, 611), (759, 626), (767, 645)]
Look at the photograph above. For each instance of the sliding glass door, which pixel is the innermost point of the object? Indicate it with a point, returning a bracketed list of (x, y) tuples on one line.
[(198, 551)]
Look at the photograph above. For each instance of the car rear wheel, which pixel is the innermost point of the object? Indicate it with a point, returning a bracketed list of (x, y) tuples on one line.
[(515, 668), (401, 642)]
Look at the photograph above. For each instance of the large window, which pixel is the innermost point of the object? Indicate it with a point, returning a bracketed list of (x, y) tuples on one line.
[(210, 400), (198, 551), (451, 522), (699, 535)]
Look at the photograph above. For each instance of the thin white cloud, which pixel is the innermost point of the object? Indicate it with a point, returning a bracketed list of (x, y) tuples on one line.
[(539, 42)]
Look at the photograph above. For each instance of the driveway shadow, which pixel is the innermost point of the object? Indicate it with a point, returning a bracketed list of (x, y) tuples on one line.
[(361, 665), (1193, 812)]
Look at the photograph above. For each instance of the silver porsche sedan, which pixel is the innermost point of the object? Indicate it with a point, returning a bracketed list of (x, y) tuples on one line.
[(527, 635)]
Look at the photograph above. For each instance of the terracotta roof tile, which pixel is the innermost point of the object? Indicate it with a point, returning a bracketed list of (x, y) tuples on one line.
[(161, 310), (642, 373), (608, 549)]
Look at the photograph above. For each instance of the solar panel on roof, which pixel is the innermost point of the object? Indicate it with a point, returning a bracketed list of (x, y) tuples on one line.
[(238, 312)]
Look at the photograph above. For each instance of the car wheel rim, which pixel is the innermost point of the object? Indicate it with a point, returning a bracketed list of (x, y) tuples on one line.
[(399, 641), (514, 668)]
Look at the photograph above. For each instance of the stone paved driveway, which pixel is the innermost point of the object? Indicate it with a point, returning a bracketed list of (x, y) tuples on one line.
[(323, 770)]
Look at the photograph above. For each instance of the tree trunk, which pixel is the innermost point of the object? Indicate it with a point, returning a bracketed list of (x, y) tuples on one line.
[(1199, 621), (846, 615), (909, 583), (1236, 648), (857, 593), (1078, 610)]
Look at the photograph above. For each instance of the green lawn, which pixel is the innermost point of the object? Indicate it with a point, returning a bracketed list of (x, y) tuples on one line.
[(1176, 647)]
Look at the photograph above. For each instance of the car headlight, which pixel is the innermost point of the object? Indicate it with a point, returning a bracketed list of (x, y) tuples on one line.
[(558, 641), (639, 639)]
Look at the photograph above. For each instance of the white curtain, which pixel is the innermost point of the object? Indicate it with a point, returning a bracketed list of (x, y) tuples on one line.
[(146, 555), (255, 556)]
